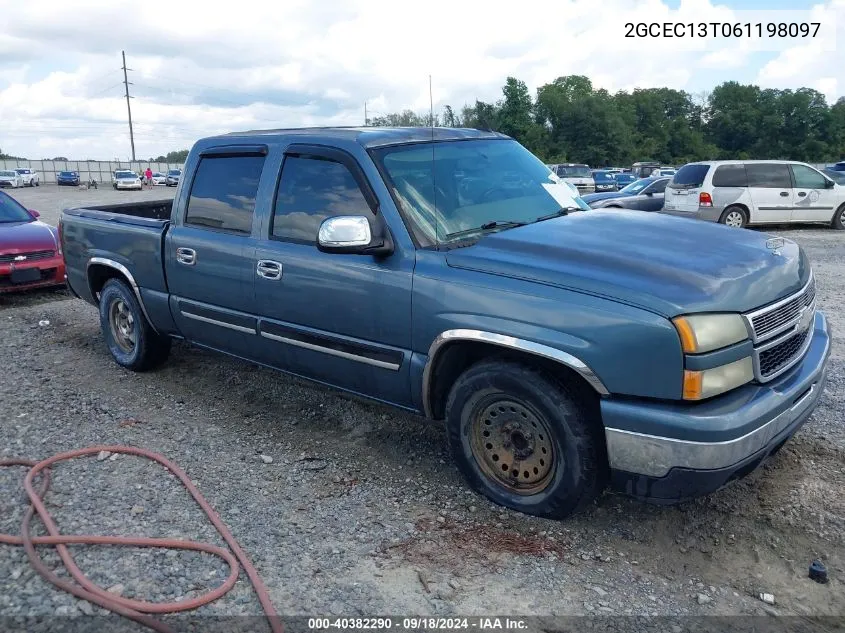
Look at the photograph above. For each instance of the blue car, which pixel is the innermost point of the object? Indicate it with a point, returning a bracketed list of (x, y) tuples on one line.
[(623, 180), (67, 178)]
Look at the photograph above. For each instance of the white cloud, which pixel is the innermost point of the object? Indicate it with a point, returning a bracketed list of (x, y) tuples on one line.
[(198, 71)]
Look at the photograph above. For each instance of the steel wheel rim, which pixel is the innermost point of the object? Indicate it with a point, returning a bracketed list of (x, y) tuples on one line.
[(122, 325), (734, 218), (512, 445)]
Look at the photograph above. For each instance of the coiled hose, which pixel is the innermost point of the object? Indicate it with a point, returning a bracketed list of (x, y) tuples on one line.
[(137, 610)]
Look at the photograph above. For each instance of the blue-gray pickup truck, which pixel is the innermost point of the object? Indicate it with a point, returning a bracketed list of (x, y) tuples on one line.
[(449, 273)]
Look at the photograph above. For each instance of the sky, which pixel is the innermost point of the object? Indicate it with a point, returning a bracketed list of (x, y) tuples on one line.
[(198, 71)]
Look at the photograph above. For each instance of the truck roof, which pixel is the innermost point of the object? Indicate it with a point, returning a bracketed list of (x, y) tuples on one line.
[(375, 136)]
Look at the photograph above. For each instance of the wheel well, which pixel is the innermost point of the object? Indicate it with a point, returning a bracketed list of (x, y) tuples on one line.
[(99, 274), (458, 356)]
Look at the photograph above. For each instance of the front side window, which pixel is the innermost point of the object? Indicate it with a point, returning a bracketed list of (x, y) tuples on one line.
[(806, 178), (768, 175), (456, 190), (311, 190), (223, 193)]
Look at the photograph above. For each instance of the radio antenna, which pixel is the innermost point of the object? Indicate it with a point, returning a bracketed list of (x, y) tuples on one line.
[(433, 177)]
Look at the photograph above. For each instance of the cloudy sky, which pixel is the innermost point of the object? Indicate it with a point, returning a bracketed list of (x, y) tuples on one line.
[(198, 70)]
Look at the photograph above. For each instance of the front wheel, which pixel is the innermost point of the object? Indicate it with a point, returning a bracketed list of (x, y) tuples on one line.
[(839, 219), (523, 440), (130, 338)]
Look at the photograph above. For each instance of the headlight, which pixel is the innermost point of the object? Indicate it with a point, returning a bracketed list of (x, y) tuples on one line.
[(705, 332), (699, 385)]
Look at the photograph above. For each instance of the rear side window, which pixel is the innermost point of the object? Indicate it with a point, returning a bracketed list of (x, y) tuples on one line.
[(223, 193), (806, 178), (768, 176), (730, 176), (311, 190), (690, 175)]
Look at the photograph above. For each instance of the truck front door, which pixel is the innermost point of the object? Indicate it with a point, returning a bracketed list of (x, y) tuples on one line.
[(337, 318)]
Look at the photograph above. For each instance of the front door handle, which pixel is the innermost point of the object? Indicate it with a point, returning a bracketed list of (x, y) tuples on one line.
[(269, 269), (187, 256), (784, 193), (801, 194)]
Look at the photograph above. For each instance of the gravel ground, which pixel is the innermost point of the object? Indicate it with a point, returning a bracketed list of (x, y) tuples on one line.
[(360, 511)]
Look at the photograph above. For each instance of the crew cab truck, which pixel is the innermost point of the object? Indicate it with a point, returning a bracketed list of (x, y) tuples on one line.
[(444, 272)]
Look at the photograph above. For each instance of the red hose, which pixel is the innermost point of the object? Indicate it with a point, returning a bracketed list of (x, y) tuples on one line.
[(137, 610)]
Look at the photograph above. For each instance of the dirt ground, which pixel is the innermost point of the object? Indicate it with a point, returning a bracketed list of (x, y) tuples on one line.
[(360, 511)]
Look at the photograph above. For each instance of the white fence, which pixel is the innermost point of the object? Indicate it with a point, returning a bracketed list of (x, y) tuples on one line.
[(100, 171)]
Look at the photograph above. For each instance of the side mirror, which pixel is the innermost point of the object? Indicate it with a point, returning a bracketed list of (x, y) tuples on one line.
[(35, 213), (650, 194), (829, 184), (353, 234)]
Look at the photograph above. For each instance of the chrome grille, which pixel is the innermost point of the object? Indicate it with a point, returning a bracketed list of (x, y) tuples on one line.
[(30, 257), (779, 317), (781, 355)]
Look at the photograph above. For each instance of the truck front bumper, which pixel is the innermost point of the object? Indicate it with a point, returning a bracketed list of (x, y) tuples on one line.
[(672, 452)]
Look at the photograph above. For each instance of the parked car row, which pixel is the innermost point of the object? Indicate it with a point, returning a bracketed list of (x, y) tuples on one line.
[(21, 177), (737, 193)]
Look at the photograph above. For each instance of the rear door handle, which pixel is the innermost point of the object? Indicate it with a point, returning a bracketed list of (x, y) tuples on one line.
[(784, 193), (187, 256), (269, 269)]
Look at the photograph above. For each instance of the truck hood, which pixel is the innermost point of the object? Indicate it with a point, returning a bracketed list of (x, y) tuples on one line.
[(25, 237), (664, 264)]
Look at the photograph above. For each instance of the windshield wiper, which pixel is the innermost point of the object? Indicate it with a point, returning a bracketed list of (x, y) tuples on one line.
[(559, 213), (487, 226)]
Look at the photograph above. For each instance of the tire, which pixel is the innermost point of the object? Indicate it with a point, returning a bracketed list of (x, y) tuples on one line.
[(839, 219), (129, 336), (37, 183), (528, 414), (736, 217)]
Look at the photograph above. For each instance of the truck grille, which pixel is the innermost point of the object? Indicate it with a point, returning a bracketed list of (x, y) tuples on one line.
[(781, 355), (782, 332), (30, 257), (768, 321)]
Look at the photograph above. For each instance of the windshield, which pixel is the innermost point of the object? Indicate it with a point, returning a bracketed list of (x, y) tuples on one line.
[(23, 172), (174, 172), (67, 173), (637, 185), (603, 176), (458, 187), (125, 174), (573, 171), (12, 211), (8, 174)]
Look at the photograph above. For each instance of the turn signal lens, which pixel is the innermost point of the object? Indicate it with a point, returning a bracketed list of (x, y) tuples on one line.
[(707, 383)]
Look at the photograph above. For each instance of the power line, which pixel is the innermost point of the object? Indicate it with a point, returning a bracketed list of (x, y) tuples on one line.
[(128, 107)]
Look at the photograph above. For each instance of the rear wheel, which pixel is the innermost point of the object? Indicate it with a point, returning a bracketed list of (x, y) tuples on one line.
[(735, 217), (130, 338), (520, 438)]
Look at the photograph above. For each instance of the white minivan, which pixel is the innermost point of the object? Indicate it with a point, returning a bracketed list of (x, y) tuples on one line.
[(743, 192)]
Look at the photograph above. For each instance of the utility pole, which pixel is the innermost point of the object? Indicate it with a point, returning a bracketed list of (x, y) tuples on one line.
[(366, 122), (126, 84)]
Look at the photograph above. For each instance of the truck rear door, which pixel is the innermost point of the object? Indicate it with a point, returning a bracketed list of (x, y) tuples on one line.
[(210, 249)]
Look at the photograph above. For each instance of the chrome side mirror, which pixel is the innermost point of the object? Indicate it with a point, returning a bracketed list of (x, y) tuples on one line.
[(353, 234), (345, 231)]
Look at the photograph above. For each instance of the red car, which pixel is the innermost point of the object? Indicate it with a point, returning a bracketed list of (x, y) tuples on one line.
[(30, 255)]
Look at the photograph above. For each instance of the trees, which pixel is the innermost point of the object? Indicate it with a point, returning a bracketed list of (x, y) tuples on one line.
[(570, 120)]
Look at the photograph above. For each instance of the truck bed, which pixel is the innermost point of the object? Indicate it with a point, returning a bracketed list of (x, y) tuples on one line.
[(129, 234)]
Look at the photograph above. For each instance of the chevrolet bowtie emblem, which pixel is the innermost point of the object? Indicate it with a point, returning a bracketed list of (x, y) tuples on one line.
[(775, 244)]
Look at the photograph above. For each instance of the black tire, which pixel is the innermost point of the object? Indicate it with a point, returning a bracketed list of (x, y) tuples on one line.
[(531, 401), (37, 183), (839, 219), (147, 349), (730, 215)]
